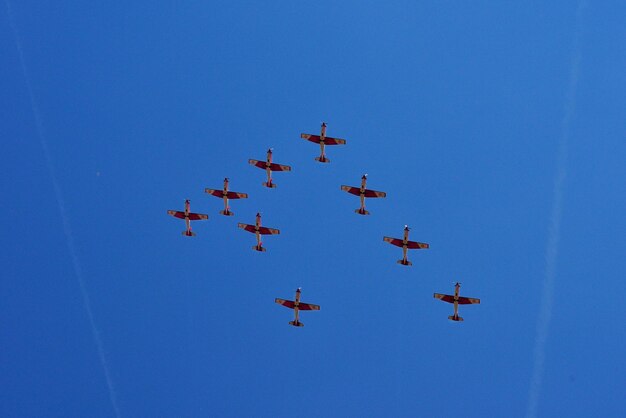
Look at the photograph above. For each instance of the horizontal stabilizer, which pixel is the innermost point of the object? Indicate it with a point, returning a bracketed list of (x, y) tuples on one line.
[(226, 213), (189, 233), (296, 323), (405, 263), (271, 185), (322, 159), (455, 318), (259, 248), (362, 211)]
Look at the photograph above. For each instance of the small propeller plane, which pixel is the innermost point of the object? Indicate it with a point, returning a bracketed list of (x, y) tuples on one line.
[(362, 192), (269, 166), (323, 140), (456, 300), (406, 245), (297, 306), (225, 194), (188, 216), (258, 230)]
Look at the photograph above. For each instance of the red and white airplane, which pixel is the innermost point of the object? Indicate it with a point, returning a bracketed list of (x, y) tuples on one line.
[(362, 192), (297, 306), (406, 245), (456, 300), (269, 166), (258, 230), (323, 140), (188, 216), (225, 194)]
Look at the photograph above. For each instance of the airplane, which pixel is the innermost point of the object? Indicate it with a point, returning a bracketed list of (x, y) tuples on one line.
[(297, 306), (456, 300), (323, 140), (188, 216), (269, 166), (225, 194), (258, 230), (362, 192), (406, 245)]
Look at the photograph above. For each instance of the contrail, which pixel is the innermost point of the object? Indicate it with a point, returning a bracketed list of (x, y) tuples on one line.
[(554, 231), (67, 230)]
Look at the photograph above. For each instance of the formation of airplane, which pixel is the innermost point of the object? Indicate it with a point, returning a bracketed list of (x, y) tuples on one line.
[(269, 166), (258, 230), (406, 245), (225, 194), (323, 140), (363, 192), (456, 300), (188, 216), (297, 306)]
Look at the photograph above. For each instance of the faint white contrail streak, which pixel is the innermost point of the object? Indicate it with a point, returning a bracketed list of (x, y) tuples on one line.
[(67, 230), (554, 231)]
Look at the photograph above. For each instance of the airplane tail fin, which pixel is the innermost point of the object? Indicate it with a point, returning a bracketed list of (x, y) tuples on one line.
[(322, 159), (404, 263), (296, 323), (260, 248), (361, 211), (455, 318), (189, 233), (270, 185), (226, 213)]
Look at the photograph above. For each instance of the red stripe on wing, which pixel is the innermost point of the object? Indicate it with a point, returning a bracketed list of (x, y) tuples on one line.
[(352, 190), (286, 303), (416, 245), (334, 141), (394, 241), (467, 301), (176, 214), (312, 138), (374, 193), (216, 193), (198, 217), (445, 298), (279, 167), (247, 227), (236, 195), (268, 231), (308, 307), (257, 163)]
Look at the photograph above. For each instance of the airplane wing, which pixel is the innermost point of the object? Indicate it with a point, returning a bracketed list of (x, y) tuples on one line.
[(216, 193), (312, 138), (308, 307), (279, 167), (327, 140), (268, 231), (247, 227), (468, 301), (393, 241), (374, 193), (416, 245), (197, 216), (176, 214), (287, 303), (334, 141), (445, 298), (352, 190), (260, 164), (237, 195)]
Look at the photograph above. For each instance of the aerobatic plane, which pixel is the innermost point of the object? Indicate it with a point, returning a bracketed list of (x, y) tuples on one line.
[(297, 306), (362, 192), (456, 300), (406, 245), (258, 230), (269, 166), (323, 140), (225, 194), (188, 216)]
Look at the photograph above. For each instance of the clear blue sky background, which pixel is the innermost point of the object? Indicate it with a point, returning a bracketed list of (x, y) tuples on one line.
[(455, 109)]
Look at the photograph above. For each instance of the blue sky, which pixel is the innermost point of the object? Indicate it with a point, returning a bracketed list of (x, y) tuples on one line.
[(460, 111)]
